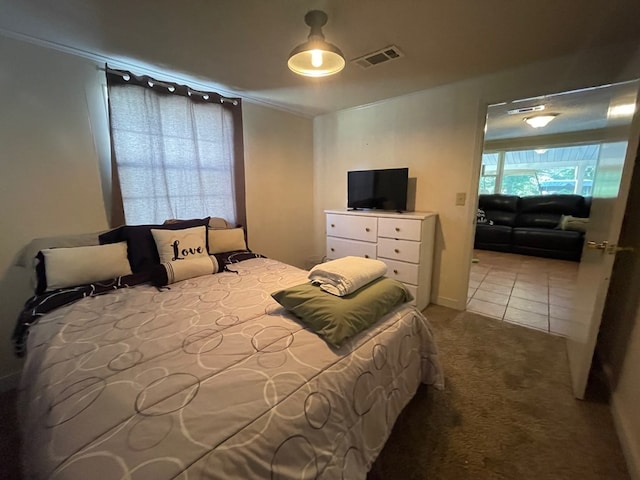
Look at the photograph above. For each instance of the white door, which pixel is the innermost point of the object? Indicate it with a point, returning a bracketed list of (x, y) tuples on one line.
[(610, 192)]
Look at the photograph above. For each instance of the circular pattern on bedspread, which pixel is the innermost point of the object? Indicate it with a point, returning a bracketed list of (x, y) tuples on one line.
[(74, 399), (299, 448), (201, 402), (317, 409), (168, 394)]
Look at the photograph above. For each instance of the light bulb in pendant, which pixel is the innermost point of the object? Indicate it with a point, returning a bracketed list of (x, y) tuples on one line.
[(316, 58)]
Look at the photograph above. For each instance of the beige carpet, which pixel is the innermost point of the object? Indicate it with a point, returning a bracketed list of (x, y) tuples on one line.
[(507, 412)]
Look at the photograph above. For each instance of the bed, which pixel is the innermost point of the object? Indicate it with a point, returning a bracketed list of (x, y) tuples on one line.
[(213, 379)]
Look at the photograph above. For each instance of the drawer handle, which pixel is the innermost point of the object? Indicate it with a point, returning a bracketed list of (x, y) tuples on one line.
[(332, 225), (397, 251), (366, 256), (333, 249), (397, 229), (366, 229), (395, 271)]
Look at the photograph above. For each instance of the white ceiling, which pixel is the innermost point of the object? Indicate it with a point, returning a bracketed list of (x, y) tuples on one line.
[(589, 109), (241, 46)]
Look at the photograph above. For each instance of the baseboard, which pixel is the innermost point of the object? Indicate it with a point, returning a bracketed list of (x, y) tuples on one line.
[(631, 455), (451, 303), (9, 382)]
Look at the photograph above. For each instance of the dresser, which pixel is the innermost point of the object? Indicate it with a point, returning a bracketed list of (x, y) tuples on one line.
[(403, 241)]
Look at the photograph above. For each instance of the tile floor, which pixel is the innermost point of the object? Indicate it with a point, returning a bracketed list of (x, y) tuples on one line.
[(531, 291)]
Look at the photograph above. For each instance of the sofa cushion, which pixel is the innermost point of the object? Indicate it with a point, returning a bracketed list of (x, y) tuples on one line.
[(505, 203), (492, 235), (558, 204), (539, 220), (548, 239), (499, 209)]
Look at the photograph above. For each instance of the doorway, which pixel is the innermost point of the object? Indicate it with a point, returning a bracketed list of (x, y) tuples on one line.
[(544, 147)]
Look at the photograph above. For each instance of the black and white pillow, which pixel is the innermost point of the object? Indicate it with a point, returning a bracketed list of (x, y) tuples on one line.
[(142, 251), (177, 270), (481, 218), (185, 244)]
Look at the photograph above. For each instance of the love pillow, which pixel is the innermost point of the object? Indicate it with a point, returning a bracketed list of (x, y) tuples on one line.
[(175, 245)]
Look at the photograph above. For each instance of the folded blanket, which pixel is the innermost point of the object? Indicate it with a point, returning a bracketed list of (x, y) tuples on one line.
[(346, 275)]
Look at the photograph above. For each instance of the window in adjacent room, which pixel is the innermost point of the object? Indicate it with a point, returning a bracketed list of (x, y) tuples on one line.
[(178, 151), (541, 171)]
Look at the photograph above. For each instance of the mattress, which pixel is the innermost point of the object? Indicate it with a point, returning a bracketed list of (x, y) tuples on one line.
[(212, 379)]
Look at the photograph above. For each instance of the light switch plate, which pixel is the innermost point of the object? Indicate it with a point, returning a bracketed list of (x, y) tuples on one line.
[(461, 198)]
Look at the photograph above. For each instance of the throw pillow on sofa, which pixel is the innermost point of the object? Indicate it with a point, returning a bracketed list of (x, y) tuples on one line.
[(481, 217), (577, 224)]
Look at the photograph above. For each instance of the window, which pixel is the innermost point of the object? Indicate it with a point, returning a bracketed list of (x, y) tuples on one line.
[(177, 151), (541, 171)]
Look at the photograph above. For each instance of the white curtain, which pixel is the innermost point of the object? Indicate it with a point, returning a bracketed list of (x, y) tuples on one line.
[(174, 156)]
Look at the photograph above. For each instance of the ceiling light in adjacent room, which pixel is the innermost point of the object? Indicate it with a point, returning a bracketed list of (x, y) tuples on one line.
[(623, 110), (540, 121), (316, 57)]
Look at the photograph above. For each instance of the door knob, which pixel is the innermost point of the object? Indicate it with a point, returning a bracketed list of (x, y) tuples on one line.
[(597, 246)]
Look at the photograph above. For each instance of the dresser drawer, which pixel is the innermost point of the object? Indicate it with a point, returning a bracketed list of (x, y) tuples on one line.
[(340, 247), (402, 271), (402, 228), (353, 227), (404, 250)]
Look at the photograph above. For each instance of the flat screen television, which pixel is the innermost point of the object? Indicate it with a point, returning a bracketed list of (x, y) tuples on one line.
[(384, 189)]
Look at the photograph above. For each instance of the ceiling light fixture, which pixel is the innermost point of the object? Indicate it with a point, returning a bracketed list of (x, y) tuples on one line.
[(316, 57), (540, 121)]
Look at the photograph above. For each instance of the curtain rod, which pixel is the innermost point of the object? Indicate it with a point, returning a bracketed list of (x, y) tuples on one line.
[(169, 86)]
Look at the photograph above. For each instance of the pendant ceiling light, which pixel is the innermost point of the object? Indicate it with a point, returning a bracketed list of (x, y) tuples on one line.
[(540, 121), (316, 57)]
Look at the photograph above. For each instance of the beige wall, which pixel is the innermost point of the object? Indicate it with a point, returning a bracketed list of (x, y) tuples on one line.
[(49, 178), (53, 133), (437, 133), (278, 150)]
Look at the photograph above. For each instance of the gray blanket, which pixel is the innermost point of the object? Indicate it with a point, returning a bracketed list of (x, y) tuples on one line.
[(213, 380)]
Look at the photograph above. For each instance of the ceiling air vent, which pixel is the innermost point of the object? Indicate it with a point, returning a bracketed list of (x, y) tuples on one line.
[(375, 58)]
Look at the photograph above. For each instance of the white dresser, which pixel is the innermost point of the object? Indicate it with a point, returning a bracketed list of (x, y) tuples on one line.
[(404, 241)]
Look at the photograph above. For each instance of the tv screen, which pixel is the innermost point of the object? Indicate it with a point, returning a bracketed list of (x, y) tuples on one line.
[(378, 189)]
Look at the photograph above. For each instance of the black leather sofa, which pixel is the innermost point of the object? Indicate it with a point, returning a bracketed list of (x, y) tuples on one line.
[(530, 225)]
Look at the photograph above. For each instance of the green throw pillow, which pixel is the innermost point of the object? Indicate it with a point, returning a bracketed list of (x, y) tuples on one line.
[(336, 319)]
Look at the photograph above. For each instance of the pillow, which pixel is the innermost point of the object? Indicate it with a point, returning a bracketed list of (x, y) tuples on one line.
[(25, 259), (219, 223), (578, 224), (481, 217), (214, 222), (175, 271), (141, 246), (336, 319), (227, 240), (175, 245), (69, 267)]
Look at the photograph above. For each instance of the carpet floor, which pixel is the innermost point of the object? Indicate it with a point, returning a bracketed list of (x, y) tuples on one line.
[(507, 412)]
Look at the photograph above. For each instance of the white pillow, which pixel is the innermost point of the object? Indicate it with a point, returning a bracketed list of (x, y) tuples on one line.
[(182, 244), (227, 240), (68, 267)]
